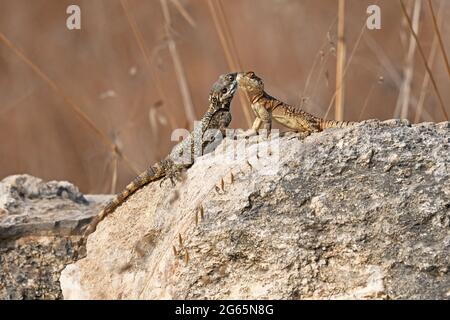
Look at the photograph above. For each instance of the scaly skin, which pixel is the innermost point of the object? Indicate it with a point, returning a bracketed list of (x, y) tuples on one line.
[(268, 108), (217, 117)]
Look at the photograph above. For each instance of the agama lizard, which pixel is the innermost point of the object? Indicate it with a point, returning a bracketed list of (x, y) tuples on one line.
[(182, 156), (267, 108)]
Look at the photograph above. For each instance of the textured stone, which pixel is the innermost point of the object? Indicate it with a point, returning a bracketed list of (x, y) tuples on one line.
[(40, 224), (361, 212)]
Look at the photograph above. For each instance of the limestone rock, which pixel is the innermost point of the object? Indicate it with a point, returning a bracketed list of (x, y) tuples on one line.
[(40, 224), (361, 212)]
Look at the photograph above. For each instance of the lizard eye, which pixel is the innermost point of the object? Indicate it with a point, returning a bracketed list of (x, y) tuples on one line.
[(229, 77), (224, 90)]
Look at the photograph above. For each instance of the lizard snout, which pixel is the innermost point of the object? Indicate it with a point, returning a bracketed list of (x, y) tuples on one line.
[(239, 76)]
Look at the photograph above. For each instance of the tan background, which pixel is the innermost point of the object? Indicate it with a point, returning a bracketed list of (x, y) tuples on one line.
[(103, 70)]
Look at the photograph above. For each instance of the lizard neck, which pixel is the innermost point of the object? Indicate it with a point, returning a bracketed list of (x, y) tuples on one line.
[(213, 108), (255, 96)]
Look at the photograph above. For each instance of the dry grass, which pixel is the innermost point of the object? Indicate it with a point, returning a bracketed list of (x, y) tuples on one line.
[(70, 102), (403, 102), (366, 102), (319, 57), (439, 36), (425, 83), (115, 168), (340, 63), (159, 68), (426, 77), (184, 13), (178, 66), (424, 59), (229, 48), (145, 53), (344, 73)]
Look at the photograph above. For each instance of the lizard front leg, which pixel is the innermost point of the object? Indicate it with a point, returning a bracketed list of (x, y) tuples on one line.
[(175, 173), (252, 131), (266, 121), (255, 127)]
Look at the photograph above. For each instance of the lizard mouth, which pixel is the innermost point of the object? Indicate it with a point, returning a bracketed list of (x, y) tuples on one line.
[(233, 88)]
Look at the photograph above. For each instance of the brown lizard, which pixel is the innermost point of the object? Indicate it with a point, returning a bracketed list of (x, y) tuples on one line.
[(182, 156), (268, 108)]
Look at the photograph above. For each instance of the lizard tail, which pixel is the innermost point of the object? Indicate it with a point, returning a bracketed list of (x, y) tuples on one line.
[(153, 173), (325, 124)]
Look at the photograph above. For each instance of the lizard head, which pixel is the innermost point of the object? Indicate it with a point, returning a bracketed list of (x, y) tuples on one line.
[(218, 116), (223, 90), (250, 82)]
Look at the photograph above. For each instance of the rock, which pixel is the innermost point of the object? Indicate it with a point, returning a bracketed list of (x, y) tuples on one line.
[(361, 212), (40, 224), (31, 206)]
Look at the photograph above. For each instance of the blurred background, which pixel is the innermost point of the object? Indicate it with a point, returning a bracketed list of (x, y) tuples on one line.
[(97, 105)]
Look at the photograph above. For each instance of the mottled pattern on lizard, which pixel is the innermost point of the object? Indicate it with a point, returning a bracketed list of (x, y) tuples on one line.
[(182, 156), (268, 108)]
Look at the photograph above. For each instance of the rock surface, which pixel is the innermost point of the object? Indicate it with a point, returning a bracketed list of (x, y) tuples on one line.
[(40, 223), (361, 212)]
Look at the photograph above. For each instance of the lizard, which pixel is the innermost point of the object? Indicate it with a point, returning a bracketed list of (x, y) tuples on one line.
[(217, 117), (267, 108)]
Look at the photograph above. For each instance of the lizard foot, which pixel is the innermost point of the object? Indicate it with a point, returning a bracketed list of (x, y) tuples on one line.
[(265, 134), (246, 134), (300, 135), (175, 175)]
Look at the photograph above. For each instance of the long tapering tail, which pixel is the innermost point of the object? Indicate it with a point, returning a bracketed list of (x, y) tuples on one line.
[(153, 173), (325, 124)]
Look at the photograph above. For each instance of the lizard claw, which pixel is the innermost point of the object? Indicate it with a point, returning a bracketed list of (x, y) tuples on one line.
[(175, 175), (265, 134), (247, 134)]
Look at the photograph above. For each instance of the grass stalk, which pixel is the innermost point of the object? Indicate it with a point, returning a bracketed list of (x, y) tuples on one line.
[(229, 49), (318, 55), (178, 66), (177, 4), (438, 34), (69, 101), (145, 53), (426, 78), (340, 62), (424, 59), (403, 101)]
